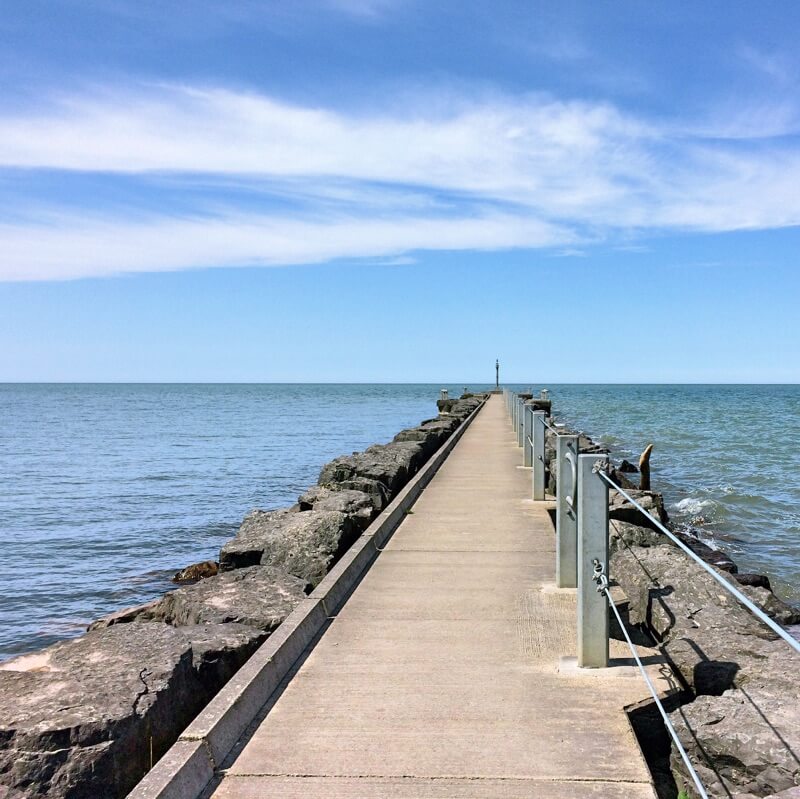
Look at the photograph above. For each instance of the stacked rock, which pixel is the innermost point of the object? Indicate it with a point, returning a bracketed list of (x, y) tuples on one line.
[(90, 716)]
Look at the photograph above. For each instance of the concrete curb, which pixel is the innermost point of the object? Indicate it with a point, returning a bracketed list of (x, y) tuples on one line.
[(189, 765)]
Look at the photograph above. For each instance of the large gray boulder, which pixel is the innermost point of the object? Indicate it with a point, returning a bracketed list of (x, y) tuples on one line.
[(621, 509), (78, 720), (258, 596), (712, 640), (304, 544), (391, 465), (743, 727), (744, 741), (430, 434), (360, 506)]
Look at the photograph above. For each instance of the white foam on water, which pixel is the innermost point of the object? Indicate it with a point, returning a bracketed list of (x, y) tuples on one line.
[(692, 506)]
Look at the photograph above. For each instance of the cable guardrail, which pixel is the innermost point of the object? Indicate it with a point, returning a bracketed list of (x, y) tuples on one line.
[(582, 538), (603, 588), (753, 608)]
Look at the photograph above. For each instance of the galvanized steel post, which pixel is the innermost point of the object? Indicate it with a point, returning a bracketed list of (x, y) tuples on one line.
[(520, 414), (567, 511), (592, 550), (538, 454), (527, 434)]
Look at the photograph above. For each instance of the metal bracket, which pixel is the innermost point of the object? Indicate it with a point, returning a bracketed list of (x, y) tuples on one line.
[(599, 576)]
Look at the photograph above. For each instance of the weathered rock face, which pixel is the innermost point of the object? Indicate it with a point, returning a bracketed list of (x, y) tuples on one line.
[(619, 508), (358, 505), (197, 571), (750, 734), (460, 407), (745, 719), (304, 544), (247, 547), (77, 720), (146, 612), (390, 465), (430, 435), (258, 596), (712, 640)]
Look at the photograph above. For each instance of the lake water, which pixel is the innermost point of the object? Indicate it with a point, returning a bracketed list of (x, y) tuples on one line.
[(106, 490)]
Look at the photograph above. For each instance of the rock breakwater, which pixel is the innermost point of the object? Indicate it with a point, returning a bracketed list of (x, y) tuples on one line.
[(89, 717), (739, 715)]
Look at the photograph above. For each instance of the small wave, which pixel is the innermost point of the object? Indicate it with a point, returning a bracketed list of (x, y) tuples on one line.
[(692, 506)]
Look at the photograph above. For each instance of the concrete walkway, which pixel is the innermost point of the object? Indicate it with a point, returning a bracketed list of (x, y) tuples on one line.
[(440, 677)]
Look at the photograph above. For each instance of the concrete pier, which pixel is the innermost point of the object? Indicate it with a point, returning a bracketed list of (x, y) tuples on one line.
[(449, 672)]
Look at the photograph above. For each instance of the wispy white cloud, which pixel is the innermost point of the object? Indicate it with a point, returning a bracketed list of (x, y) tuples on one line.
[(500, 172), (72, 247)]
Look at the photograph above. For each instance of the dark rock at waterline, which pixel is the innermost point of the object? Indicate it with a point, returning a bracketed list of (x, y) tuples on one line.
[(258, 596), (304, 544), (775, 608), (714, 557), (619, 477), (197, 571), (754, 580), (360, 506), (628, 467), (145, 612), (78, 720), (621, 509)]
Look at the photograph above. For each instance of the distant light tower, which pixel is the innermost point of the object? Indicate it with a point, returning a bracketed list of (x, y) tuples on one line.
[(497, 373)]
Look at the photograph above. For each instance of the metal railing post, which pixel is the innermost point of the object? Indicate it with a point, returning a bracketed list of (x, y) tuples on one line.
[(592, 555), (527, 435), (538, 454), (567, 511), (520, 412)]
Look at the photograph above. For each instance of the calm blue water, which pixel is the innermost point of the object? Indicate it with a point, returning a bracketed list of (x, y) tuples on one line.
[(106, 490)]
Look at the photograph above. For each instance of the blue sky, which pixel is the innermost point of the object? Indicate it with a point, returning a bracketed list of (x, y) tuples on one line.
[(399, 190)]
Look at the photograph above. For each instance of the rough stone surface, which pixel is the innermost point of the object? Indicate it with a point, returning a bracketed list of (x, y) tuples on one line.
[(713, 641), (78, 719), (360, 506), (745, 720), (773, 606), (625, 534), (619, 508), (756, 580), (258, 596), (304, 544), (247, 547), (430, 435), (147, 611), (391, 465), (749, 734)]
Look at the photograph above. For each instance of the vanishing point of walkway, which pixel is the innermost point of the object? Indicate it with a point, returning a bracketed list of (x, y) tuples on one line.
[(441, 675)]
